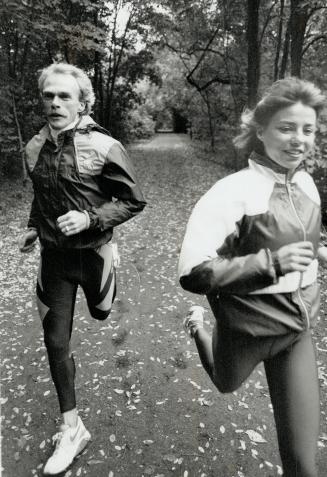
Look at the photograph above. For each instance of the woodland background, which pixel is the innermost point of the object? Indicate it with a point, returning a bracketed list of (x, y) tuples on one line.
[(190, 66), (174, 65)]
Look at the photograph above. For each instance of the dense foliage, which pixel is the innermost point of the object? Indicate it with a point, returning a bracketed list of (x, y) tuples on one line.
[(191, 64), (229, 51), (106, 38)]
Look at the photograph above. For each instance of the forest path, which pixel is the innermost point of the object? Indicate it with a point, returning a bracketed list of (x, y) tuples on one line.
[(141, 391), (164, 141)]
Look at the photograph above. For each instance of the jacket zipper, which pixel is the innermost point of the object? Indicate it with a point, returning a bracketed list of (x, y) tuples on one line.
[(289, 193)]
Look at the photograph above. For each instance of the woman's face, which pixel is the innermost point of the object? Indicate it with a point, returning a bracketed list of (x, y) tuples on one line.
[(289, 135)]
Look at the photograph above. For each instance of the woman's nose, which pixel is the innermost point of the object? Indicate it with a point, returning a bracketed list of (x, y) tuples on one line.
[(297, 138)]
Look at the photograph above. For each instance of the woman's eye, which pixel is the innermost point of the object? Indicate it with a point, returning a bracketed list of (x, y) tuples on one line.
[(308, 131), (285, 129)]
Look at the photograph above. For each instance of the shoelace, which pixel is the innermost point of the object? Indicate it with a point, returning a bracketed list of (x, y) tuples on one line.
[(56, 439)]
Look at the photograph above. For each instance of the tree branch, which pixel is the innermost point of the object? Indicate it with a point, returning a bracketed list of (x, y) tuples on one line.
[(266, 23), (205, 51), (314, 40)]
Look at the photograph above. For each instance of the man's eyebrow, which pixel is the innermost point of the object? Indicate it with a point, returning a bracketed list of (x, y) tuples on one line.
[(58, 93)]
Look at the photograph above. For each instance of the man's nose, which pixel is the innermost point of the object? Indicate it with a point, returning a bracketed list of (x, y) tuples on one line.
[(55, 101)]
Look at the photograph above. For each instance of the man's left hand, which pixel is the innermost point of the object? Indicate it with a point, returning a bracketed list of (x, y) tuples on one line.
[(72, 223)]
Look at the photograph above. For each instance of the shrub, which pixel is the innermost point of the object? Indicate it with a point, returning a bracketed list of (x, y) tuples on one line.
[(139, 124)]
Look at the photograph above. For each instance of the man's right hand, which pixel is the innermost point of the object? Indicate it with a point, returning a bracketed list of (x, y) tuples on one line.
[(295, 257), (26, 242)]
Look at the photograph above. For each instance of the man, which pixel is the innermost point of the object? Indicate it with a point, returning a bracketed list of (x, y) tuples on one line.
[(84, 185)]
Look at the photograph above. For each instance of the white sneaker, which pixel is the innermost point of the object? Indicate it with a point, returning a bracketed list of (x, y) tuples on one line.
[(70, 441), (194, 320)]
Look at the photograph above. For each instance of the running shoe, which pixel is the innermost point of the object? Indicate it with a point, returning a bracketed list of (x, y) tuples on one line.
[(70, 441), (194, 320)]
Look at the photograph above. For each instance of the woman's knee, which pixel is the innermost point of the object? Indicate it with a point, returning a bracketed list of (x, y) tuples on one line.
[(224, 386)]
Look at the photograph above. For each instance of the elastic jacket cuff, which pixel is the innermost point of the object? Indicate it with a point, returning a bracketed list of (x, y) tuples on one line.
[(88, 220), (94, 219), (276, 264)]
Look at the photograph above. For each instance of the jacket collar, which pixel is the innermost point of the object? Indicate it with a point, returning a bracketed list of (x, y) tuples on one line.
[(268, 167), (54, 133), (83, 123)]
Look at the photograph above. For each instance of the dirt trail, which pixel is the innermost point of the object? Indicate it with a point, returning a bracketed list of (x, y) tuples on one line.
[(141, 390), (165, 141)]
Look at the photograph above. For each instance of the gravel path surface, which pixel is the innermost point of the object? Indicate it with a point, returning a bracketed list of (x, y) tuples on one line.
[(141, 390)]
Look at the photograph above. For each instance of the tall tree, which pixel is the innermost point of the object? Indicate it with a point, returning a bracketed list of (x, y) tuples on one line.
[(87, 33), (253, 71), (279, 39), (300, 13), (205, 35)]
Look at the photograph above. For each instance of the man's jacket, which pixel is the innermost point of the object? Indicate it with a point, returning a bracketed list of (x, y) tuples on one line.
[(87, 170), (230, 242)]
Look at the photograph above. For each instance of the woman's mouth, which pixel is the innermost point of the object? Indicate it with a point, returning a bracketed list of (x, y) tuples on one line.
[(294, 152)]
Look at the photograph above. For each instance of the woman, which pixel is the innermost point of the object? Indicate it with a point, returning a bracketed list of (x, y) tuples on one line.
[(251, 246)]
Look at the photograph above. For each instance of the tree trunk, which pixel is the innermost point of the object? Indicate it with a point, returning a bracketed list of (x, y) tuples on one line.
[(108, 100), (20, 140), (210, 119), (101, 105), (286, 49), (279, 40), (96, 84), (299, 19), (253, 72)]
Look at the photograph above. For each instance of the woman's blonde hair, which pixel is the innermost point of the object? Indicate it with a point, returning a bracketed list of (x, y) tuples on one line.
[(282, 94), (86, 89)]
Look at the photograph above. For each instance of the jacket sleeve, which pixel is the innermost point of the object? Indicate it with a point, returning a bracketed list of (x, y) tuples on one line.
[(119, 184), (33, 218), (207, 263)]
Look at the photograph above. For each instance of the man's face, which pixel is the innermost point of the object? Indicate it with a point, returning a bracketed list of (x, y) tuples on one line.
[(61, 100)]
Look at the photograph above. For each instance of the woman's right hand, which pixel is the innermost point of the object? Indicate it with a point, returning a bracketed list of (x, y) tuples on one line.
[(295, 257)]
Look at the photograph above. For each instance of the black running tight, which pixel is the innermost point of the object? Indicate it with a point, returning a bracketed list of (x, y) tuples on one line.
[(60, 273), (293, 385), (229, 358)]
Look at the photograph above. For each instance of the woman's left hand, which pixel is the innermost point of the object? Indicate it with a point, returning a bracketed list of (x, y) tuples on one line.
[(72, 223)]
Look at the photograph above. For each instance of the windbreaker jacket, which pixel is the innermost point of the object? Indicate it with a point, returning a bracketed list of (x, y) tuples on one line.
[(87, 170), (230, 240)]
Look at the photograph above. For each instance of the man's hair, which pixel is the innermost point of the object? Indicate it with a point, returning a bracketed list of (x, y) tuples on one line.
[(83, 81), (282, 94)]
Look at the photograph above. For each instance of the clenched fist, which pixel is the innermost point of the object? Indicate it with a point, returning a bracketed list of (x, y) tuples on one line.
[(73, 222), (295, 257), (26, 242)]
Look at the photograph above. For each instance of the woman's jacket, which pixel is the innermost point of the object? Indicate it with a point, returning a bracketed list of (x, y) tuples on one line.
[(229, 249)]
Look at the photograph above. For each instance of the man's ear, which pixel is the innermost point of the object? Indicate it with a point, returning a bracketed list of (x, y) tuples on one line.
[(81, 108)]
